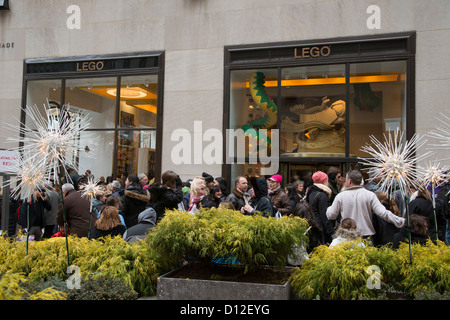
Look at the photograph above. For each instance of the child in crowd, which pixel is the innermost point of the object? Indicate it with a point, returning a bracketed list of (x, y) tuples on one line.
[(347, 231)]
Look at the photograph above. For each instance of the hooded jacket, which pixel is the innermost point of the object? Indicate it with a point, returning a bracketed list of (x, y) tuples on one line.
[(134, 201), (163, 198), (260, 202), (146, 221)]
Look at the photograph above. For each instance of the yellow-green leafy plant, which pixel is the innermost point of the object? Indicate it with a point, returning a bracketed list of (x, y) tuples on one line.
[(11, 289), (222, 233), (135, 264), (429, 270), (348, 270)]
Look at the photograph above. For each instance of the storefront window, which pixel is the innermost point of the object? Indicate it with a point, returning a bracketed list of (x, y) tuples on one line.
[(120, 96), (313, 111), (136, 152), (40, 93), (97, 151), (138, 101), (253, 106), (91, 96), (377, 101)]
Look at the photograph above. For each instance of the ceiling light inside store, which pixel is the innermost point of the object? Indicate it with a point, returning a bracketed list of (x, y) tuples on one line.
[(128, 93)]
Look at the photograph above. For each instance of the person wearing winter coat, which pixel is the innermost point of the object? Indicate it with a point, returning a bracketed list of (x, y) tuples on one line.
[(34, 209), (214, 197), (385, 231), (260, 203), (419, 231), (108, 225), (78, 210), (195, 199), (146, 221), (347, 231), (50, 215), (318, 197), (358, 203), (423, 205), (134, 200), (278, 197), (239, 195), (166, 195)]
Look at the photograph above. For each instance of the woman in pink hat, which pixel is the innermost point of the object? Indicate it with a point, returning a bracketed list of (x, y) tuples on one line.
[(278, 197), (318, 197)]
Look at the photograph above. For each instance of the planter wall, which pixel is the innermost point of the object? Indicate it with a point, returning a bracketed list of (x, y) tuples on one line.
[(169, 288)]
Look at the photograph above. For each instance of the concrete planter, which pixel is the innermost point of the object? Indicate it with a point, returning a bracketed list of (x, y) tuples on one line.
[(169, 288)]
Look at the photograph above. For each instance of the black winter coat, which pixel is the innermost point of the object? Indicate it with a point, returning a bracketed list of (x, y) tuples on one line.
[(260, 202), (319, 202), (162, 198), (36, 212), (424, 207), (134, 201)]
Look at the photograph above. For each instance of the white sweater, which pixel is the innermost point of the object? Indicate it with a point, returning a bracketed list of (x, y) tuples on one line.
[(358, 204)]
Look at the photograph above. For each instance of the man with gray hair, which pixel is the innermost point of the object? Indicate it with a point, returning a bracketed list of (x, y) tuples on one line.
[(77, 212), (358, 203)]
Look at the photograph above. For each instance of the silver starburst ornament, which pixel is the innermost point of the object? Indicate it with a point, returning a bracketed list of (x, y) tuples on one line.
[(31, 175), (393, 162), (54, 138)]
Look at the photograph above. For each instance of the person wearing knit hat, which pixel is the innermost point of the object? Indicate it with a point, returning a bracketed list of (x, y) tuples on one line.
[(209, 179), (318, 197), (143, 179), (278, 197), (320, 177)]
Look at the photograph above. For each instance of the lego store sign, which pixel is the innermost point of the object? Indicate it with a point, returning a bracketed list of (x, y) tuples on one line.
[(312, 52)]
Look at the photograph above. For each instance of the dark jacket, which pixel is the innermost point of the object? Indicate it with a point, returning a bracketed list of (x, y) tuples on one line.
[(162, 198), (134, 200), (146, 221), (77, 214), (237, 198), (402, 236), (319, 202), (36, 212), (116, 231), (281, 202), (260, 202), (424, 207)]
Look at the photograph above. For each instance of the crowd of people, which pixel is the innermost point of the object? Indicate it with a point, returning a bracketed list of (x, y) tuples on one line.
[(337, 208)]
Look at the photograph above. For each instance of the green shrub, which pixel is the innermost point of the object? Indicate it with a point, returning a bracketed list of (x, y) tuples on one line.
[(101, 288), (341, 272), (430, 268), (13, 287), (135, 264), (251, 240)]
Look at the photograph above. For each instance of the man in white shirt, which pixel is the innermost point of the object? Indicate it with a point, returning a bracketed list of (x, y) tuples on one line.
[(357, 203)]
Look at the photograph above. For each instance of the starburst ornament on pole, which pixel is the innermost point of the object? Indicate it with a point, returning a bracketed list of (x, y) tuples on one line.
[(54, 140), (394, 161), (435, 175), (442, 133)]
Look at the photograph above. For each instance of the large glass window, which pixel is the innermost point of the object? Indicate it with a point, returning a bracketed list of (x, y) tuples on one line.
[(377, 101), (253, 106), (313, 111), (127, 134), (90, 95), (40, 93)]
